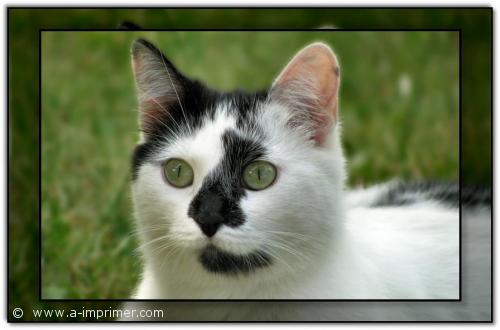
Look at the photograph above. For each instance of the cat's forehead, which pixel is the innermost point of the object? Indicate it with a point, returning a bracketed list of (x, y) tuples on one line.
[(233, 125), (236, 112), (203, 145)]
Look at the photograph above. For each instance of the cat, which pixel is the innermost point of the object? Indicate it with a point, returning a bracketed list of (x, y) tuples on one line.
[(242, 195)]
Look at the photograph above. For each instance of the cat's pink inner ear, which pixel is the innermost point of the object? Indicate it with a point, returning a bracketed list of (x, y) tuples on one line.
[(149, 107), (152, 87), (315, 73)]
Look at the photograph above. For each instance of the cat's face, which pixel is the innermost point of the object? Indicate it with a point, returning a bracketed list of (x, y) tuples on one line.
[(238, 182)]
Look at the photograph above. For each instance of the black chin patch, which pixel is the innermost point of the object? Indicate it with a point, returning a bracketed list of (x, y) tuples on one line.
[(215, 260)]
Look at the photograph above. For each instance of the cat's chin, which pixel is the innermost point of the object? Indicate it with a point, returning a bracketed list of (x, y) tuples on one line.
[(215, 260)]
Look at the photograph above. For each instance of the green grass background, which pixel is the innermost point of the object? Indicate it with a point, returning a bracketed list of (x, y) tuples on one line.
[(399, 109)]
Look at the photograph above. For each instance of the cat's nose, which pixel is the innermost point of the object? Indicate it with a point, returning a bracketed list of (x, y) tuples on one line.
[(206, 211), (209, 229), (209, 222)]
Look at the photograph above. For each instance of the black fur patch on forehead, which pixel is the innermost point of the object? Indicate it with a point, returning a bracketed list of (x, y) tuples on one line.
[(243, 105), (239, 151), (198, 102)]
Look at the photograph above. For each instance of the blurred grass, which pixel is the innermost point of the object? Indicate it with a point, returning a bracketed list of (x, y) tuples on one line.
[(399, 108)]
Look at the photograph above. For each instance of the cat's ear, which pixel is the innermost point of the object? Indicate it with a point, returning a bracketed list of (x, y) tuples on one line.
[(309, 84), (159, 85)]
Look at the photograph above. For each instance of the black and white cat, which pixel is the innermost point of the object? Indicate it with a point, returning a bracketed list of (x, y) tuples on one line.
[(241, 196)]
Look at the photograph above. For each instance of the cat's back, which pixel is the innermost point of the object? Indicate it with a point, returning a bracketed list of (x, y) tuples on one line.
[(406, 237)]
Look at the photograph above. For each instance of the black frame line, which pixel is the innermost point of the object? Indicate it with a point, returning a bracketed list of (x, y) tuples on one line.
[(460, 86), (40, 32), (251, 30), (7, 137), (250, 7), (40, 166), (492, 106), (492, 120)]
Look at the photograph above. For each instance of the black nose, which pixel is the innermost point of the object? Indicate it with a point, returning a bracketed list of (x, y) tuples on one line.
[(206, 211)]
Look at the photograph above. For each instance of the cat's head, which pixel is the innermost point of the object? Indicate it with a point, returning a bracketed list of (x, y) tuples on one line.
[(238, 182)]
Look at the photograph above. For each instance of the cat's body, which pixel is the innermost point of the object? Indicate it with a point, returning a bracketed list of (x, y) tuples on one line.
[(301, 237)]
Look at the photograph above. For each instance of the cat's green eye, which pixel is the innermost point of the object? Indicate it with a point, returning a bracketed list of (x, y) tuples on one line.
[(259, 175), (178, 172)]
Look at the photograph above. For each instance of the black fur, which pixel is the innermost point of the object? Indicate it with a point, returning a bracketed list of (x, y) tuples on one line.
[(444, 192), (139, 156), (216, 261), (476, 195)]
